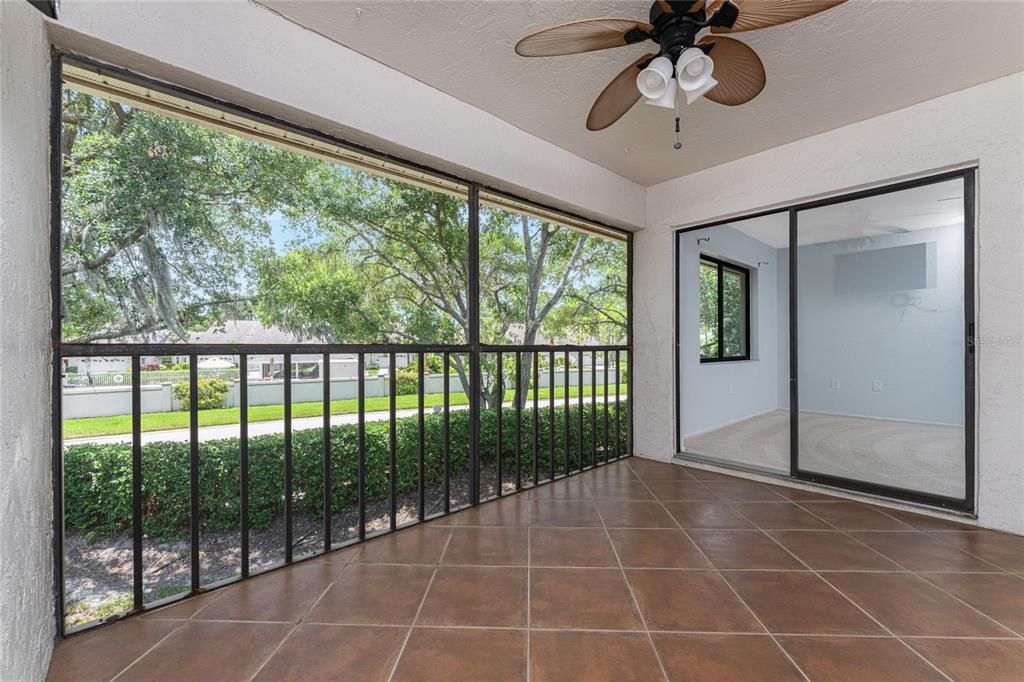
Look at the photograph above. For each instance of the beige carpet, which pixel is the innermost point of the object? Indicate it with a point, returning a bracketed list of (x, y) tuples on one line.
[(923, 457)]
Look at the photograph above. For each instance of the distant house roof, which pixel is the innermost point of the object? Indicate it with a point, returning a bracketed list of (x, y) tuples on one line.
[(245, 331), (517, 334)]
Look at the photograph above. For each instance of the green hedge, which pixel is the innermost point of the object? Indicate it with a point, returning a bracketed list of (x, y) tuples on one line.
[(97, 478)]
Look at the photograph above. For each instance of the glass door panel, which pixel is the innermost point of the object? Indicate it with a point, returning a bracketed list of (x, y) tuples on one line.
[(881, 341), (733, 350)]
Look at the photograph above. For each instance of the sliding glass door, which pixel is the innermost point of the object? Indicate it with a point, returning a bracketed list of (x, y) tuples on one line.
[(831, 341), (882, 295)]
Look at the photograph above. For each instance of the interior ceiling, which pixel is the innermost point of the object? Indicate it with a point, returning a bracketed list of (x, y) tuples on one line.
[(858, 60), (936, 205)]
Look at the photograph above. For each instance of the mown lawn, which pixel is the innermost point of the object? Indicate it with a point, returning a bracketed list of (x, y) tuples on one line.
[(162, 421)]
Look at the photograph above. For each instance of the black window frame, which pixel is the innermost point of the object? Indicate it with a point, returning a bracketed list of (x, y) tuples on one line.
[(745, 275)]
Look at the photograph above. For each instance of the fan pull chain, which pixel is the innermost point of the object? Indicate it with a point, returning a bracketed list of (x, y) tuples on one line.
[(675, 107)]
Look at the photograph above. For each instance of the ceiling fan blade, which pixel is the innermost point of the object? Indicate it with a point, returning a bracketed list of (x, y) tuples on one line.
[(764, 13), (618, 97), (583, 36), (738, 70)]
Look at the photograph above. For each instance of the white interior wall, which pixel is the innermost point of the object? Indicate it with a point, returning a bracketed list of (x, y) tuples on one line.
[(982, 125), (717, 393), (26, 499), (851, 340)]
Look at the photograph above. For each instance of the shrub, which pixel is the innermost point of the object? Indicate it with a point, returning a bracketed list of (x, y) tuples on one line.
[(211, 393), (406, 381), (97, 477)]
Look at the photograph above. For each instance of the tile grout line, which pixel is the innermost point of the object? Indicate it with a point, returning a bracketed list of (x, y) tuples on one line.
[(937, 535), (632, 595), (147, 651), (728, 584), (840, 592), (423, 600), (302, 618), (916, 574)]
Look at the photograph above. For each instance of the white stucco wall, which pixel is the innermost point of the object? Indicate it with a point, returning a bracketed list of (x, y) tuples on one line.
[(982, 125), (26, 500), (243, 53)]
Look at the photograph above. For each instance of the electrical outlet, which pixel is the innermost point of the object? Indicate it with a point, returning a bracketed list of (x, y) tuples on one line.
[(834, 385), (876, 385)]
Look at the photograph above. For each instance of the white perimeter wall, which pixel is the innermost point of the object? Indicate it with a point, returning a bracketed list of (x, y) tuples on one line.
[(26, 498), (982, 125)]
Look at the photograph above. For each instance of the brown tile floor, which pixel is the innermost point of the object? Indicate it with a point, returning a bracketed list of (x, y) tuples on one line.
[(635, 571)]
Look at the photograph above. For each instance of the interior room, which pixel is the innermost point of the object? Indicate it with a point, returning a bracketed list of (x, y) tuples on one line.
[(531, 340), (880, 291)]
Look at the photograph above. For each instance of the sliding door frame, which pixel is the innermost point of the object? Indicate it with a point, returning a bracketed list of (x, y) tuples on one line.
[(965, 504)]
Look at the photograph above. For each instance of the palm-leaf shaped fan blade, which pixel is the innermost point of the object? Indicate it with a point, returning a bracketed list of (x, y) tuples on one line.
[(754, 14), (618, 97), (738, 70), (583, 36)]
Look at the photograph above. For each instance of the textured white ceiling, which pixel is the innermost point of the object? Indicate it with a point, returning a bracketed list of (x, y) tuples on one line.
[(861, 59)]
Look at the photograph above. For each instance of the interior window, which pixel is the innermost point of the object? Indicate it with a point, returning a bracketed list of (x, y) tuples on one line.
[(724, 311)]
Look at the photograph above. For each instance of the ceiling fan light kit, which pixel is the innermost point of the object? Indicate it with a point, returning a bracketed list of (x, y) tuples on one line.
[(691, 48)]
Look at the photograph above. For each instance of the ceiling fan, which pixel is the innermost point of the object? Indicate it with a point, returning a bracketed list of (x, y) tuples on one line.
[(722, 69)]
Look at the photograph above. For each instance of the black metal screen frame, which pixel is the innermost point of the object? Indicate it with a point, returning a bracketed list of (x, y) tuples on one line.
[(964, 505), (473, 350), (722, 266)]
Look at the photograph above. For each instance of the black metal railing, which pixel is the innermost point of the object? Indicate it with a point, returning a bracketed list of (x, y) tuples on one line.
[(534, 422)]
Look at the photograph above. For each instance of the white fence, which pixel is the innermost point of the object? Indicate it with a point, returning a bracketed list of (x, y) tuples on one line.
[(109, 401)]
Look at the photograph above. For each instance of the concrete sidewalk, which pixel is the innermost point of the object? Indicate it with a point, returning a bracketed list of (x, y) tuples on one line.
[(277, 426)]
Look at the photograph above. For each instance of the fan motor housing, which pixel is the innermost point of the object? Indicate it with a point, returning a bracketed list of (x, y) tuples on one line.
[(675, 31)]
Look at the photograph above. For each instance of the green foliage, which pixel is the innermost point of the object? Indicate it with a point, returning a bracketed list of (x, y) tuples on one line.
[(97, 477), (733, 330), (406, 381), (211, 394)]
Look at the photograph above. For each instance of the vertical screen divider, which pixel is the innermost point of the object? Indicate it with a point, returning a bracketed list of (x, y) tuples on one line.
[(193, 421), (579, 417), (361, 406), (567, 417), (393, 441), (519, 395), (137, 596), (325, 378), (593, 408), (475, 367), (606, 405), (618, 406), (421, 437), (500, 391), (243, 450), (446, 382), (288, 471), (551, 415), (536, 416)]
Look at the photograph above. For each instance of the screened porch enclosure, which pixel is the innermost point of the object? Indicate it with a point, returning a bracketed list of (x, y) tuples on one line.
[(274, 345)]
